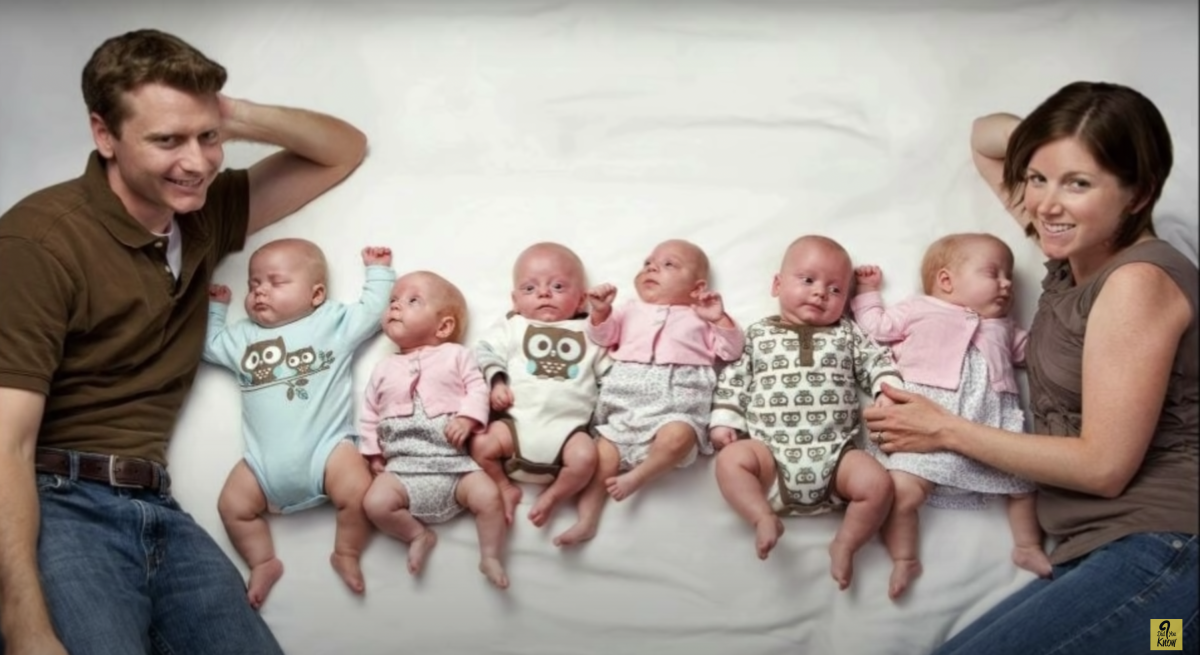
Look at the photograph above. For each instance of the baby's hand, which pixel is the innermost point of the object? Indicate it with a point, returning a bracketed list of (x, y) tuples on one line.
[(377, 463), (458, 429), (220, 293), (709, 306), (722, 436), (868, 278), (501, 397), (600, 299), (377, 256)]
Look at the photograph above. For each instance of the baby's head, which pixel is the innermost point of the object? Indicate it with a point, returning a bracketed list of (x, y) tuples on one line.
[(973, 270), (549, 283), (425, 310), (286, 283), (674, 274), (813, 281)]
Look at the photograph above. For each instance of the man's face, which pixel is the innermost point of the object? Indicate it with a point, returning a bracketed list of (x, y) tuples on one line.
[(169, 151)]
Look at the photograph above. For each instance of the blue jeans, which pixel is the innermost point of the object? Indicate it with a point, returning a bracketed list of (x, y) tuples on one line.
[(126, 571), (1099, 603)]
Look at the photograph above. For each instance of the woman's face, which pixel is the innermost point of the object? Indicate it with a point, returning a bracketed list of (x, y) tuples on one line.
[(1076, 205)]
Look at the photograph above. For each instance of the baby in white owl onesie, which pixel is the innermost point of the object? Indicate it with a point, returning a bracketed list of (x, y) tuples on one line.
[(786, 413), (291, 359), (543, 374)]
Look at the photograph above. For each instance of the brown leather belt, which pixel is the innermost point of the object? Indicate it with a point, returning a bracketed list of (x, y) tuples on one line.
[(113, 470)]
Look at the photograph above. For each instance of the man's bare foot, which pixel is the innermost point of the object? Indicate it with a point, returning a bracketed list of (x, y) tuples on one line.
[(419, 549), (262, 578), (494, 570), (767, 532), (576, 534), (623, 486), (543, 508), (904, 571), (348, 568), (1033, 559), (510, 497), (841, 564)]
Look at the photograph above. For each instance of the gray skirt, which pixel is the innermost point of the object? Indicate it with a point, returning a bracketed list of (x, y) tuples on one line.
[(636, 400)]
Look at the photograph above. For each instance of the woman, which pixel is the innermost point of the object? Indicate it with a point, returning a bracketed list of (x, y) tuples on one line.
[(1112, 362)]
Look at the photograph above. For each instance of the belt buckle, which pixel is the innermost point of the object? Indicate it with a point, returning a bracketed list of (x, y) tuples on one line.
[(112, 480)]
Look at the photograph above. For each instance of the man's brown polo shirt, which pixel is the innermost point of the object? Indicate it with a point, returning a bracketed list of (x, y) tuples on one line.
[(91, 316)]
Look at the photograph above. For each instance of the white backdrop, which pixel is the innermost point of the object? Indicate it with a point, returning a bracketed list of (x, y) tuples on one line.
[(609, 127)]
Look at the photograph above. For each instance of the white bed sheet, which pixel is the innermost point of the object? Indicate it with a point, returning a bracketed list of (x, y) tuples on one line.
[(609, 127)]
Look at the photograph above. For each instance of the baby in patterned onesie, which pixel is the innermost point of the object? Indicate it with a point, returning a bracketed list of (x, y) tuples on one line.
[(421, 405), (786, 413), (292, 357), (543, 374), (957, 345), (652, 414)]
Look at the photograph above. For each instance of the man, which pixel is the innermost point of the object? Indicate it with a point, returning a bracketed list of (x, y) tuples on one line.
[(104, 283)]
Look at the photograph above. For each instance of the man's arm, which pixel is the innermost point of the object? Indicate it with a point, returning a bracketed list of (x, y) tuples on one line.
[(318, 151), (23, 615)]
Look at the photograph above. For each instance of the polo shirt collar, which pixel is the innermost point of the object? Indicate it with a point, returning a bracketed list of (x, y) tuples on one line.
[(109, 210)]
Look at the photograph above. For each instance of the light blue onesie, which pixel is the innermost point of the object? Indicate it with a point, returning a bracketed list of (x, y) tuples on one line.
[(296, 387)]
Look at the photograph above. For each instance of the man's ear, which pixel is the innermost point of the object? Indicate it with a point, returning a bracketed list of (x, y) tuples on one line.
[(104, 138), (446, 327), (318, 295)]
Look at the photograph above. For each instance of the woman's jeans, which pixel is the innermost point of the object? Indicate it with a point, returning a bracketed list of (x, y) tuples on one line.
[(1102, 602)]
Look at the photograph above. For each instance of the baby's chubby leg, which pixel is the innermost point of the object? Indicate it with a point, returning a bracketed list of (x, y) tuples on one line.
[(901, 530), (478, 493), (594, 496), (579, 464), (671, 445), (241, 506), (386, 506), (489, 450), (347, 478), (1027, 535), (745, 471), (868, 488)]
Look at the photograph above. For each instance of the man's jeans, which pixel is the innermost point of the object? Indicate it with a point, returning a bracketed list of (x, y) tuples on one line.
[(1102, 602), (126, 571)]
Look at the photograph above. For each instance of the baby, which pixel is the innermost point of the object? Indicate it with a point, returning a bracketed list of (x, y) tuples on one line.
[(795, 394), (654, 403), (956, 345), (291, 357), (421, 405), (543, 374)]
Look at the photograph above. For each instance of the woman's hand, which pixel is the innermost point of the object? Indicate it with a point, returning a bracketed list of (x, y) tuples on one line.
[(911, 424)]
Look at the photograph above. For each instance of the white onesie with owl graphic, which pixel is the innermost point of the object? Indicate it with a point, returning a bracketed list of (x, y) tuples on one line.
[(796, 389), (296, 388), (553, 371)]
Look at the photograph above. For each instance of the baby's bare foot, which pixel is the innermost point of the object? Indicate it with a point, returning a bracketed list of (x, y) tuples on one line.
[(841, 564), (576, 534), (419, 549), (543, 508), (1033, 559), (904, 571), (767, 532), (510, 497), (347, 566), (494, 570), (262, 578), (623, 486)]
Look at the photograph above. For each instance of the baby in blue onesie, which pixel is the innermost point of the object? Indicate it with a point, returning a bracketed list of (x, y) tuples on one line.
[(291, 358)]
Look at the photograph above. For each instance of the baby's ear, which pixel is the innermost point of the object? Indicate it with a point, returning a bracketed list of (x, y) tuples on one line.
[(446, 327), (318, 296), (699, 287)]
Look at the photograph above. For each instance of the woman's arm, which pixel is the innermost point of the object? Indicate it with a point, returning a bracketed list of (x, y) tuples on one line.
[(989, 140), (1127, 363)]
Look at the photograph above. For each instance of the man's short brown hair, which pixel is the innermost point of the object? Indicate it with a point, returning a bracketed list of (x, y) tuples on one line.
[(124, 63)]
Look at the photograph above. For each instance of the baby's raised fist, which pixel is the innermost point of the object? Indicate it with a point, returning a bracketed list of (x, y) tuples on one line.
[(377, 256), (220, 293), (868, 278)]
